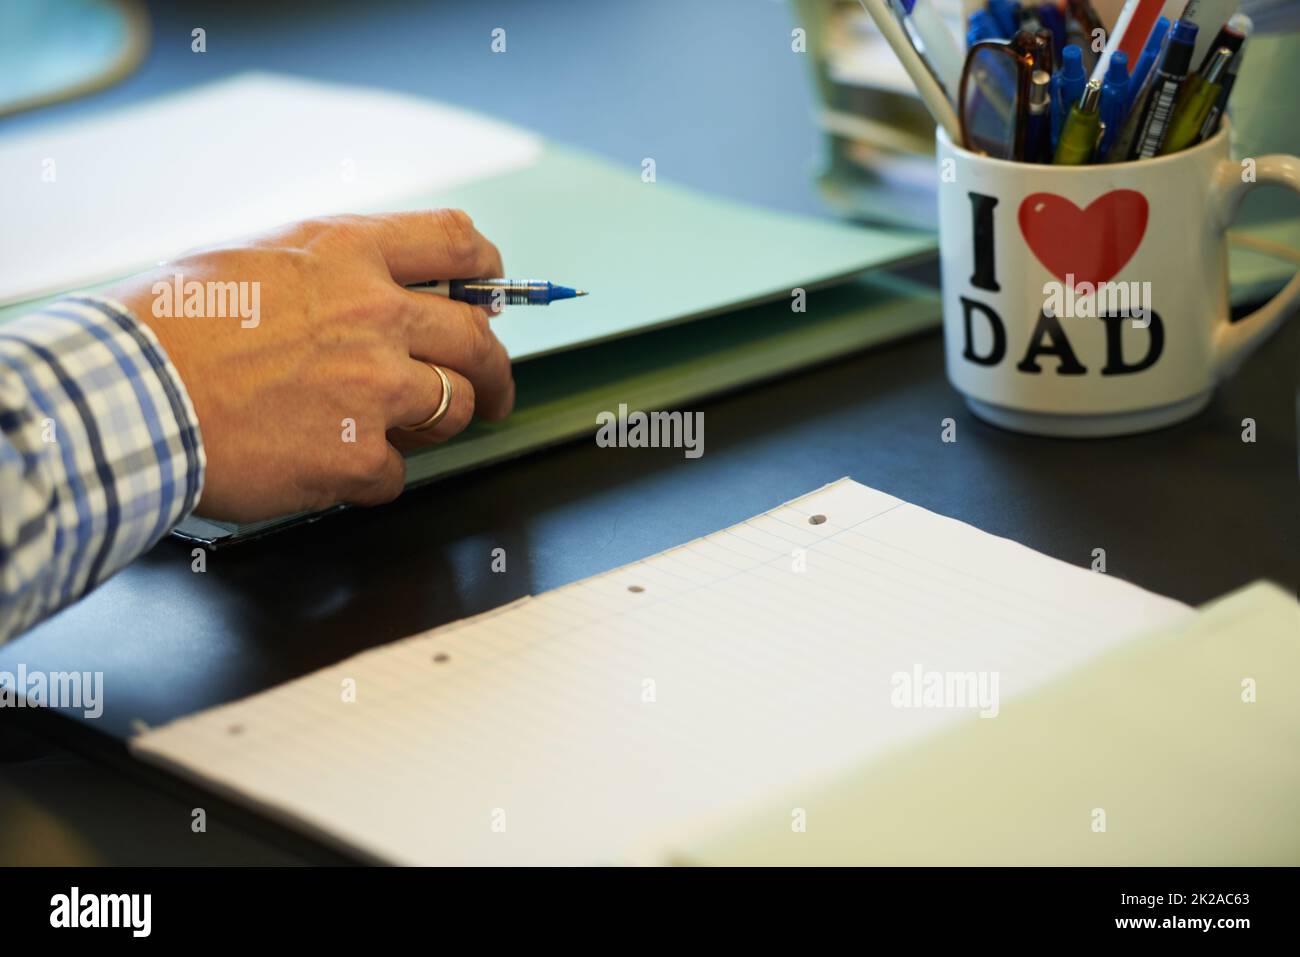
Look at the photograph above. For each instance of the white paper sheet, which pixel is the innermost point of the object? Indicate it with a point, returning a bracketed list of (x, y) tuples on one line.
[(90, 201), (599, 721)]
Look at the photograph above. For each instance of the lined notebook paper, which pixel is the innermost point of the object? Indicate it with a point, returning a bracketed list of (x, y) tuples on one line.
[(599, 722)]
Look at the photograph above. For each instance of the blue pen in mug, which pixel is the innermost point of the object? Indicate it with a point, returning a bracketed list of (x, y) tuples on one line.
[(1094, 300)]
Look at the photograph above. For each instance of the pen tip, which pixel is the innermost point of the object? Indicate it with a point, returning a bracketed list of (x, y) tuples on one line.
[(579, 292)]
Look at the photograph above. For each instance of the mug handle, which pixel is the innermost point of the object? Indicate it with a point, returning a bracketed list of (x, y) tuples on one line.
[(1235, 340)]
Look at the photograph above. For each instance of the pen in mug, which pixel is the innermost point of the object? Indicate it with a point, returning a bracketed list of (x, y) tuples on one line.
[(1139, 86), (932, 93), (982, 26), (1114, 101), (1054, 21), (1132, 27), (1067, 86), (1181, 135), (494, 293), (1208, 15), (1150, 53), (1038, 119), (1230, 35), (1007, 14), (1082, 24), (1211, 125), (1044, 52), (1082, 129), (1195, 106), (941, 50), (1170, 76)]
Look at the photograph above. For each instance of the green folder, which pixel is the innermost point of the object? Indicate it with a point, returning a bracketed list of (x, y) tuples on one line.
[(716, 294), (651, 253), (653, 256)]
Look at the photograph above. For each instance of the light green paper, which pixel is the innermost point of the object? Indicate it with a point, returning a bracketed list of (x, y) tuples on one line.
[(650, 253), (1156, 734)]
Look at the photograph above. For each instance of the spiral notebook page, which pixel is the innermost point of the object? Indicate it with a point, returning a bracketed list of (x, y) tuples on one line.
[(600, 721)]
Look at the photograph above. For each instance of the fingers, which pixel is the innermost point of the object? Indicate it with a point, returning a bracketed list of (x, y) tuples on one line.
[(380, 479), (443, 244), (458, 336), (422, 328), (434, 244), (421, 395), (372, 470)]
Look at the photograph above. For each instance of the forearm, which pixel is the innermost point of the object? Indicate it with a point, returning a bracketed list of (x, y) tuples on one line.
[(100, 453)]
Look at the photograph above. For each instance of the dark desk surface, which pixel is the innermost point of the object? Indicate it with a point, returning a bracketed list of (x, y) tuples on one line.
[(713, 92)]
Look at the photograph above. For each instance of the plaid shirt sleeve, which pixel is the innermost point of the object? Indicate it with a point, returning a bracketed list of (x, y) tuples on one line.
[(100, 453)]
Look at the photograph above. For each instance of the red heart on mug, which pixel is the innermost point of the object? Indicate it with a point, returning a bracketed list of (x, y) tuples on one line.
[(1093, 243)]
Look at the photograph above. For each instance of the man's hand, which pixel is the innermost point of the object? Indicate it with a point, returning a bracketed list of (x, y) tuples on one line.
[(297, 406)]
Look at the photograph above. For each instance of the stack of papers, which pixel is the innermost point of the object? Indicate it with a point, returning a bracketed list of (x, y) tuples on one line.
[(625, 717)]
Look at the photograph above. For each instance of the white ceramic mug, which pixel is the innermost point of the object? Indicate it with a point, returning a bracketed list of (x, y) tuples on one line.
[(1041, 263)]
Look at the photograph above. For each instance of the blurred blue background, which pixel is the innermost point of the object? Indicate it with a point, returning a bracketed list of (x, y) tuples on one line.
[(711, 90)]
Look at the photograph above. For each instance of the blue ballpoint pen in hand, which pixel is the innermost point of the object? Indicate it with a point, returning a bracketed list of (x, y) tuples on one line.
[(495, 293)]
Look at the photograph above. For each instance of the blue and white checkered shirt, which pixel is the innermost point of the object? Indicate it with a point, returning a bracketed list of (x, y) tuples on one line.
[(100, 453)]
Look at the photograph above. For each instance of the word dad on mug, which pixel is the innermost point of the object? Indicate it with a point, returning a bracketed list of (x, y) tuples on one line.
[(1048, 337)]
